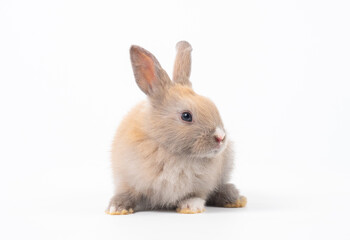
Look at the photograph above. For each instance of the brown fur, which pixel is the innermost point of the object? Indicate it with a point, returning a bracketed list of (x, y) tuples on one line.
[(160, 161)]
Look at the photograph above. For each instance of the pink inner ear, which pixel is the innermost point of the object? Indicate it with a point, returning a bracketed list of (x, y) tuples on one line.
[(148, 70)]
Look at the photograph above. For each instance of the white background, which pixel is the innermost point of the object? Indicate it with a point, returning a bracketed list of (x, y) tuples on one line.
[(277, 70)]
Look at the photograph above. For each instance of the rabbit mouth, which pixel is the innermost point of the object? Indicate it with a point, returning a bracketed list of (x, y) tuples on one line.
[(213, 152), (219, 145)]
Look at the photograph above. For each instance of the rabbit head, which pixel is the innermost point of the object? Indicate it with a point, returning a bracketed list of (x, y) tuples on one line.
[(178, 119)]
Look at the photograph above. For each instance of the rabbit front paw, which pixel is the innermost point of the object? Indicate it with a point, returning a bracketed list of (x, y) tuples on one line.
[(191, 205), (120, 205), (113, 210)]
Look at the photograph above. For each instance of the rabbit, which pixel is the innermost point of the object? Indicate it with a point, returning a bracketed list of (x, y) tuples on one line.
[(171, 150)]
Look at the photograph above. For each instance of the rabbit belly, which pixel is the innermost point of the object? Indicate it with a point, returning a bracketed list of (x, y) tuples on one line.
[(177, 179), (181, 180)]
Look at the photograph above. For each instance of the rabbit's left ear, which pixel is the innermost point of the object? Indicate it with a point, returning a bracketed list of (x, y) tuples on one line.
[(182, 66), (149, 75)]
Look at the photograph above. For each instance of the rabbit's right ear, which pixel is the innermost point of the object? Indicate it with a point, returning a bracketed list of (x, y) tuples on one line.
[(182, 66), (149, 75)]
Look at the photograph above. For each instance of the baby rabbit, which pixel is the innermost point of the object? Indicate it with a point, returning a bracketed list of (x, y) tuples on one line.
[(171, 151)]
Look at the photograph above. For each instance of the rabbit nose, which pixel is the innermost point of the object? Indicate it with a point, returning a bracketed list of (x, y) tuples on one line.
[(219, 135), (218, 139)]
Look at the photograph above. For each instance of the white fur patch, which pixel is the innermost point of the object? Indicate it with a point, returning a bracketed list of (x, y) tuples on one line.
[(219, 133), (193, 204)]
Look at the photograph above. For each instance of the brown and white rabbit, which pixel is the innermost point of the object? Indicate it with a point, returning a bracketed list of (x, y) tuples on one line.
[(171, 151)]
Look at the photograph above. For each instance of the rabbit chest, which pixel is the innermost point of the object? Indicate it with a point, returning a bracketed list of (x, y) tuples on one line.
[(167, 179)]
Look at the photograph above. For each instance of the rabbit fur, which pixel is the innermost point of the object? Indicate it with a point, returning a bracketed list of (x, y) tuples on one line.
[(160, 161)]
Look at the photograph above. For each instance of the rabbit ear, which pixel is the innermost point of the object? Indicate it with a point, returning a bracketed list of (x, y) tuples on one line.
[(149, 75), (182, 66)]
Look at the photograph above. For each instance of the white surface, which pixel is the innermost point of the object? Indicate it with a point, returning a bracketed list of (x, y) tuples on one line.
[(277, 70)]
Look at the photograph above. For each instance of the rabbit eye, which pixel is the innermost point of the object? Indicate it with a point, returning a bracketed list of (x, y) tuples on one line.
[(186, 116)]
